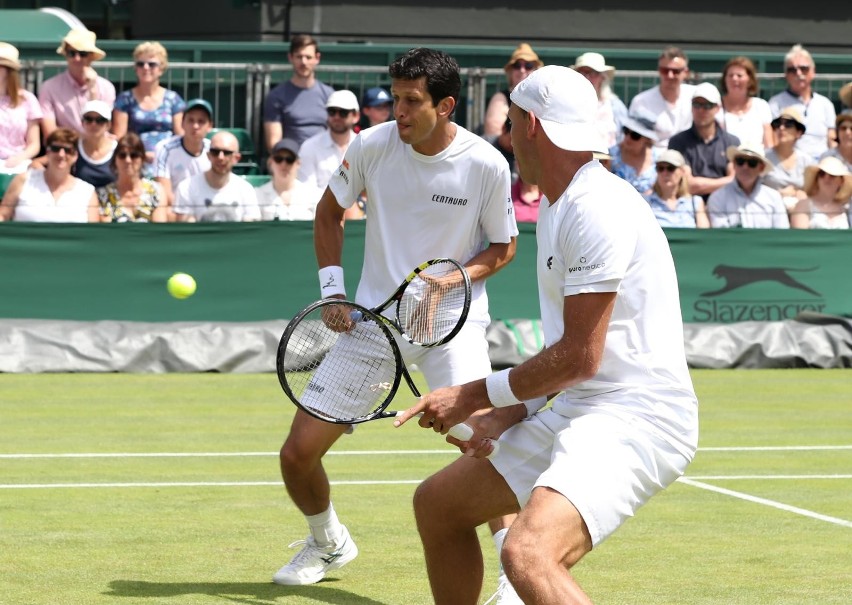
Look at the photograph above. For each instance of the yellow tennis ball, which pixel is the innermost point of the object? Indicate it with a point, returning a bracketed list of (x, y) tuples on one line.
[(181, 285)]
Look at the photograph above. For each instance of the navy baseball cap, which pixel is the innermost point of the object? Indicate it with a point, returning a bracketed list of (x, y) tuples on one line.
[(376, 96)]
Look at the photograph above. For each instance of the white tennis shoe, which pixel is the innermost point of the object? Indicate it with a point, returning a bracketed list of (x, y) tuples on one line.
[(505, 594), (310, 564)]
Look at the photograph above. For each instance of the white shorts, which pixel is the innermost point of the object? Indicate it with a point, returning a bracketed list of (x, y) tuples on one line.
[(606, 466), (461, 360)]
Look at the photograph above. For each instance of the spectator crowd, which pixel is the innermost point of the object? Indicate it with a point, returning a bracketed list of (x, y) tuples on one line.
[(705, 154)]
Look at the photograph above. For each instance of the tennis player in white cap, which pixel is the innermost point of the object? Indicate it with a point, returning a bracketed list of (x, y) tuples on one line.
[(624, 424)]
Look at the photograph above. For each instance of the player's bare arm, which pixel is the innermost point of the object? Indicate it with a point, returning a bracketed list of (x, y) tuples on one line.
[(491, 260), (572, 359)]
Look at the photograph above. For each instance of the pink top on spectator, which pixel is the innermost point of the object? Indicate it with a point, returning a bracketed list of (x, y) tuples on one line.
[(14, 122), (62, 99), (525, 212)]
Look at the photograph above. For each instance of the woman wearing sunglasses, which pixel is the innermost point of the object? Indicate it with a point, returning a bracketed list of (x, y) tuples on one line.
[(788, 172), (96, 147), (52, 194), (829, 188), (521, 64), (284, 197), (670, 199), (633, 159), (131, 197), (843, 151), (19, 116), (148, 109)]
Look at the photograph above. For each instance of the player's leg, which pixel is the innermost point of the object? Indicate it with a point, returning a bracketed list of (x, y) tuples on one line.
[(548, 537), (449, 506), (505, 594), (329, 545)]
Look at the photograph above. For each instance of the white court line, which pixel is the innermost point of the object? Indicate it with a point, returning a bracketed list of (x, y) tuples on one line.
[(377, 452), (765, 502)]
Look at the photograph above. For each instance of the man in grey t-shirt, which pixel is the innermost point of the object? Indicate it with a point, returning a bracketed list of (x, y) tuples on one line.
[(296, 108)]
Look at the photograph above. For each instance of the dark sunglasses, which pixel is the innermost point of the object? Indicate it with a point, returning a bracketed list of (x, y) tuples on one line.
[(57, 148), (215, 151), (337, 111), (149, 64), (95, 120), (133, 155), (528, 65), (703, 105), (784, 123), (290, 159), (83, 54), (675, 71), (752, 162), (791, 69), (666, 168), (633, 135)]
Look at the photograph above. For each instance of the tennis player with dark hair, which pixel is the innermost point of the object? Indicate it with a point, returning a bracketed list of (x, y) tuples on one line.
[(624, 425), (434, 190)]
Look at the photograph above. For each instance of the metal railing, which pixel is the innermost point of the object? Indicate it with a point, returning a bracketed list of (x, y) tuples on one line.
[(237, 90)]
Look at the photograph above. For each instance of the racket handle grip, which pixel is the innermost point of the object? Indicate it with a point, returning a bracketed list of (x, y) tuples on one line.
[(463, 432)]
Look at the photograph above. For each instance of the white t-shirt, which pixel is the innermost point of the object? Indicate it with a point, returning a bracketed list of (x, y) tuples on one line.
[(175, 163), (236, 201), (668, 119), (302, 206), (319, 157), (819, 116), (419, 207), (748, 127), (36, 203), (601, 236)]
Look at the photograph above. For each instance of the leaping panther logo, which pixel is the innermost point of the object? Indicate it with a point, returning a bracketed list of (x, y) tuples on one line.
[(737, 277)]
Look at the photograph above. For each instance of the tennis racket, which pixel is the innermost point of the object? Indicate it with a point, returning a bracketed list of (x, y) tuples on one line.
[(339, 362), (431, 304)]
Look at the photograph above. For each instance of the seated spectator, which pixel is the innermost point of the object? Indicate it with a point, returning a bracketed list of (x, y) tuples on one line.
[(633, 159), (131, 197), (96, 147), (526, 198), (503, 144), (843, 151), (296, 108), (376, 107), (52, 195), (611, 109), (321, 154), (217, 195), (845, 96), (703, 145), (744, 114), (829, 187), (184, 155), (670, 199), (818, 110), (746, 201), (151, 111), (522, 63), (788, 172), (284, 197), (669, 103), (19, 116), (63, 96)]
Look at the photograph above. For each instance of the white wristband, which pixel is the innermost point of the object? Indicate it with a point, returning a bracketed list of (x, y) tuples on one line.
[(535, 404), (331, 281), (499, 392)]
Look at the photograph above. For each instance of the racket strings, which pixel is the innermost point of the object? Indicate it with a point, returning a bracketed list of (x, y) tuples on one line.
[(431, 305), (340, 369)]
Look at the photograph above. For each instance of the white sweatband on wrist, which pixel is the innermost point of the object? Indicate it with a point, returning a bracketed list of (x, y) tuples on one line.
[(499, 392), (535, 404), (331, 281)]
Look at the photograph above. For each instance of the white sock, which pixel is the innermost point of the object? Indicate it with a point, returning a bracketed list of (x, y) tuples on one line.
[(499, 536), (325, 527)]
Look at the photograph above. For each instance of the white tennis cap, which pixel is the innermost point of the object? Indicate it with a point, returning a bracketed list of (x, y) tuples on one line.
[(565, 103)]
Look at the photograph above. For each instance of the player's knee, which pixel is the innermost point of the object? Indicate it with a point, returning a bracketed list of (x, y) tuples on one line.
[(295, 460), (424, 500)]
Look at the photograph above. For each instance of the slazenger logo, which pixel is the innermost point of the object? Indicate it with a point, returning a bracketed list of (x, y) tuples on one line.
[(584, 267), (708, 308)]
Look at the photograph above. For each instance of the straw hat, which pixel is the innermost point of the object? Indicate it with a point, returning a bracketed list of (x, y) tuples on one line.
[(750, 151), (791, 113), (9, 56), (82, 40), (833, 166), (524, 52)]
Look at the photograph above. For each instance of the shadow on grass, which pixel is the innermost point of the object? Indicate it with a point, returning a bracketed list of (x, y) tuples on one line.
[(238, 592)]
